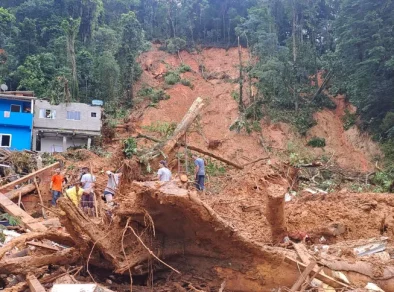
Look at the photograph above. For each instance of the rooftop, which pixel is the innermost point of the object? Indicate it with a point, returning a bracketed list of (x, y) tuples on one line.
[(18, 95)]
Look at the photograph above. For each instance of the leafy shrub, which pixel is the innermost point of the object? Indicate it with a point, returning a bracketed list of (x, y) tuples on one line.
[(14, 221), (184, 68), (348, 120), (303, 121), (163, 128), (172, 78), (187, 82), (317, 142), (129, 147), (214, 169), (174, 45), (155, 95)]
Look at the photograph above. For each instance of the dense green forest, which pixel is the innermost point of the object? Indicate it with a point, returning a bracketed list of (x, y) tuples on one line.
[(85, 49)]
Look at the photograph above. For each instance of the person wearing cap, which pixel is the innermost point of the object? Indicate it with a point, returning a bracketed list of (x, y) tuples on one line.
[(112, 185), (56, 186), (164, 173)]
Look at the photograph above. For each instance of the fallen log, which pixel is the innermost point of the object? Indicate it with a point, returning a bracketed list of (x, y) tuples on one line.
[(27, 189), (163, 149), (29, 264), (53, 235), (215, 156), (182, 127)]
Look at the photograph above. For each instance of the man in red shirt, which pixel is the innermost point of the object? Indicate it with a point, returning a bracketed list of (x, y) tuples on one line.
[(56, 186)]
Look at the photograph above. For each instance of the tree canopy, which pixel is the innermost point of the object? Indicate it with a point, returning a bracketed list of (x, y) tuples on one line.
[(80, 50)]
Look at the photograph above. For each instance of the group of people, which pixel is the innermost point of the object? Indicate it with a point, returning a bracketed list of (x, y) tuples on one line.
[(164, 173), (81, 193)]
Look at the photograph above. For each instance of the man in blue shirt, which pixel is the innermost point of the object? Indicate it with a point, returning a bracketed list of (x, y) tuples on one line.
[(199, 172)]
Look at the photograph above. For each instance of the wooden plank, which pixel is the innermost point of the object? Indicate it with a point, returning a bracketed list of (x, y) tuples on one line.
[(42, 245), (303, 277), (16, 193), (34, 284), (41, 201), (12, 185), (13, 209), (324, 278)]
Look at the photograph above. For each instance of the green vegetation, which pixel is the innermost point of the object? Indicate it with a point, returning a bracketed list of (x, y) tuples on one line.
[(187, 82), (213, 168), (183, 68), (172, 78), (165, 129), (349, 120), (129, 147), (317, 142), (155, 95)]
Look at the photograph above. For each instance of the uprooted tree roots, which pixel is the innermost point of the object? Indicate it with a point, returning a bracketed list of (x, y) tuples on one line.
[(161, 232)]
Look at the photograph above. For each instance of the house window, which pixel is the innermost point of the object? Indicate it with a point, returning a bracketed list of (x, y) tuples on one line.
[(73, 115), (15, 108), (47, 114), (93, 115), (5, 140)]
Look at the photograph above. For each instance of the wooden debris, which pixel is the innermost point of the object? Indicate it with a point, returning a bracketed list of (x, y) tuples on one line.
[(215, 156), (11, 185), (41, 201), (26, 189), (303, 253), (322, 277), (26, 220), (303, 277), (34, 284), (29, 264), (42, 245)]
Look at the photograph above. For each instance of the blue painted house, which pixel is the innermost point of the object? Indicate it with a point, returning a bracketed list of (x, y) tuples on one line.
[(16, 121)]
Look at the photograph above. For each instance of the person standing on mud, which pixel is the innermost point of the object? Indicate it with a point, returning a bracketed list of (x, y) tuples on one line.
[(87, 181), (199, 172), (164, 173), (56, 186), (112, 185)]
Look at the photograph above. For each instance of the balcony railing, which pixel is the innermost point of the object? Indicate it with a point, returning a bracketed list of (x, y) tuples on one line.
[(16, 119)]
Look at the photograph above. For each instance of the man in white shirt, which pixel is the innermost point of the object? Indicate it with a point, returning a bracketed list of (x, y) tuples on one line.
[(164, 173), (87, 200)]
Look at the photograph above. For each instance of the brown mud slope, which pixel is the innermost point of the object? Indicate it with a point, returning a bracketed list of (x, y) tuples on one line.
[(220, 111), (351, 149)]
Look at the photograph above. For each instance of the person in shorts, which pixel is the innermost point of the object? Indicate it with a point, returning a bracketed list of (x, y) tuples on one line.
[(87, 200), (112, 185)]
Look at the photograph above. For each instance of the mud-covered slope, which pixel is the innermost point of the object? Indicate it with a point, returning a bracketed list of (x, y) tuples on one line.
[(350, 149)]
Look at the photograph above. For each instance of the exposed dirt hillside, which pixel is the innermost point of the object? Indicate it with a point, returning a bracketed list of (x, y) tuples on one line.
[(351, 149)]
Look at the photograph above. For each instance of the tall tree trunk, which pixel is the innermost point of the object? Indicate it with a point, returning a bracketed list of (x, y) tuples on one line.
[(294, 35), (241, 105)]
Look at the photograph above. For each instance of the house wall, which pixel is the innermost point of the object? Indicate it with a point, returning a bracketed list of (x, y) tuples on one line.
[(5, 104), (55, 144), (20, 137), (86, 123)]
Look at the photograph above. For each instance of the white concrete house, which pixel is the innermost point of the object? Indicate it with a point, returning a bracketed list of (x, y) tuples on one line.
[(58, 127)]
